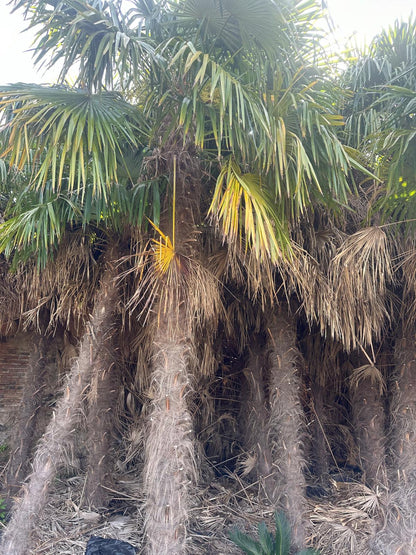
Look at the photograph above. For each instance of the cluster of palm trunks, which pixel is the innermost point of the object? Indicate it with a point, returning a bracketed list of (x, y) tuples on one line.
[(273, 400), (211, 238)]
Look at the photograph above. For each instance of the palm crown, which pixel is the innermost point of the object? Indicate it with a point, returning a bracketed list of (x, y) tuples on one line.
[(236, 78)]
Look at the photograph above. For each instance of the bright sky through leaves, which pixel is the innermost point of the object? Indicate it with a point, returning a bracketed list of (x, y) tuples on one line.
[(362, 18)]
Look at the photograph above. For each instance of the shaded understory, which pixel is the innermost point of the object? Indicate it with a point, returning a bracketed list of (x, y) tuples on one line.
[(241, 481)]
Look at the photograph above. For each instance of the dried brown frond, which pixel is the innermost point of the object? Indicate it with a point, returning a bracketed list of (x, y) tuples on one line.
[(302, 275), (66, 287), (406, 267), (247, 464), (368, 372), (319, 236), (181, 281), (349, 522), (237, 267), (359, 276), (11, 298)]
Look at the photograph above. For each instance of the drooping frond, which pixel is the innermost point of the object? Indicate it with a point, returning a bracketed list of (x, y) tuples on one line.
[(406, 269), (69, 137), (359, 275), (245, 214), (38, 227), (169, 280), (368, 372)]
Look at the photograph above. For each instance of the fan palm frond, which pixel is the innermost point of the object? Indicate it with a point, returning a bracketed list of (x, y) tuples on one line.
[(98, 38), (68, 136), (359, 275), (243, 211), (38, 229)]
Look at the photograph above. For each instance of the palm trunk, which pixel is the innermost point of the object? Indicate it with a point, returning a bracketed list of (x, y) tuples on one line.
[(398, 533), (254, 420), (59, 435), (403, 409), (102, 400), (170, 469), (170, 465), (24, 439), (369, 425), (320, 447), (287, 423)]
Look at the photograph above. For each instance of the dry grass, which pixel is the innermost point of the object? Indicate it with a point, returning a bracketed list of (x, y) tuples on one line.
[(346, 524)]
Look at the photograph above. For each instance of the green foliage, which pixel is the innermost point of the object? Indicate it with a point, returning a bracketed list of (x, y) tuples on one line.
[(380, 116), (239, 80), (269, 544), (3, 510)]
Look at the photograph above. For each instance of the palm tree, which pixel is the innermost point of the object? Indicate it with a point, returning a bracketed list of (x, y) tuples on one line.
[(380, 122), (196, 109)]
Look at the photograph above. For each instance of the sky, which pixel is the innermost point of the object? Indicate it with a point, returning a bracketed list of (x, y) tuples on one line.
[(359, 18)]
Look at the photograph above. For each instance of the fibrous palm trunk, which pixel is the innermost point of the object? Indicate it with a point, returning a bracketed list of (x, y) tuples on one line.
[(170, 466), (254, 420), (369, 425), (287, 422), (398, 534), (170, 469), (102, 401), (59, 435), (403, 410), (23, 440)]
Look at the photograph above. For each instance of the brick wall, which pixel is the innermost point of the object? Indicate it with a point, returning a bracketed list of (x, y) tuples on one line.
[(14, 357)]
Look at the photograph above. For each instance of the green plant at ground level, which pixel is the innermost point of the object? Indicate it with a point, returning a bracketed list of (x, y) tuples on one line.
[(267, 544), (3, 510)]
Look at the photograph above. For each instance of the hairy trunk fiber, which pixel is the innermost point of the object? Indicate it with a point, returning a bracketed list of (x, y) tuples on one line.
[(52, 448), (403, 409), (24, 439), (320, 446), (102, 400), (369, 425), (170, 466), (287, 422), (398, 534), (254, 421)]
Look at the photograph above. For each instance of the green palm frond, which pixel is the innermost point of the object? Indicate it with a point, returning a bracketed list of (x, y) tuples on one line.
[(393, 150), (233, 25), (68, 136), (215, 101), (283, 534), (37, 228), (246, 215), (289, 130), (96, 37), (247, 544)]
